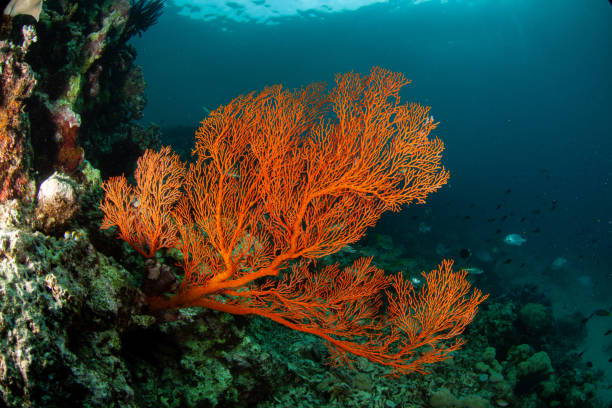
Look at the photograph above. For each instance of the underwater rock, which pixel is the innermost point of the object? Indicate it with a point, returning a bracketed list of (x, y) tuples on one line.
[(57, 202)]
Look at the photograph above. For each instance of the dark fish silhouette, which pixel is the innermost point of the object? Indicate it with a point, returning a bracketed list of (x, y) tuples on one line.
[(508, 191), (507, 261), (465, 253), (608, 332), (601, 313), (498, 206)]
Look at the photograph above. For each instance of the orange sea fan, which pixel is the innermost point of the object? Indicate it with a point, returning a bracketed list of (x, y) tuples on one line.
[(285, 177)]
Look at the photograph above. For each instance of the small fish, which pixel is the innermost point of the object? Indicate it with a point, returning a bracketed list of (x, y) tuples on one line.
[(505, 217), (607, 333), (522, 265), (523, 219), (467, 217), (581, 353), (508, 191), (599, 312), (474, 271), (589, 364), (507, 261), (498, 206), (498, 231), (514, 239)]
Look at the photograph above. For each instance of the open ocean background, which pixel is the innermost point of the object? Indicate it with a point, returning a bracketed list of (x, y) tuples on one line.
[(523, 93)]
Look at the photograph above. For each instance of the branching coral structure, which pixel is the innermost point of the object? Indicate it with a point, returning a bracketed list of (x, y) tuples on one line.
[(283, 178)]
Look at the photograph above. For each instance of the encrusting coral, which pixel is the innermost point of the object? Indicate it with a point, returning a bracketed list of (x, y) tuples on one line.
[(283, 178)]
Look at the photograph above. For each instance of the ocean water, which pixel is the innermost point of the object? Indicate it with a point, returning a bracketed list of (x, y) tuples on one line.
[(523, 93)]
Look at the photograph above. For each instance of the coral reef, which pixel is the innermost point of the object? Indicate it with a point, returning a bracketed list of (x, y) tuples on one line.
[(81, 59), (62, 304), (68, 68), (17, 82), (74, 324)]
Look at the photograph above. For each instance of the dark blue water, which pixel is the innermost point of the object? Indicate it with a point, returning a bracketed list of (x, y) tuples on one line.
[(522, 90)]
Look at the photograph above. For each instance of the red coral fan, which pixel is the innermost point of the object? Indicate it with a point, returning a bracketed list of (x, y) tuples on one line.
[(283, 178)]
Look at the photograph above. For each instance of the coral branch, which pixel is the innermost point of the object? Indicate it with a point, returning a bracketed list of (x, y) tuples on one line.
[(144, 214)]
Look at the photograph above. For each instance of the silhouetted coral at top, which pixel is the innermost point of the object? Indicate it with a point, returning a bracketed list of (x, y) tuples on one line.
[(143, 14)]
